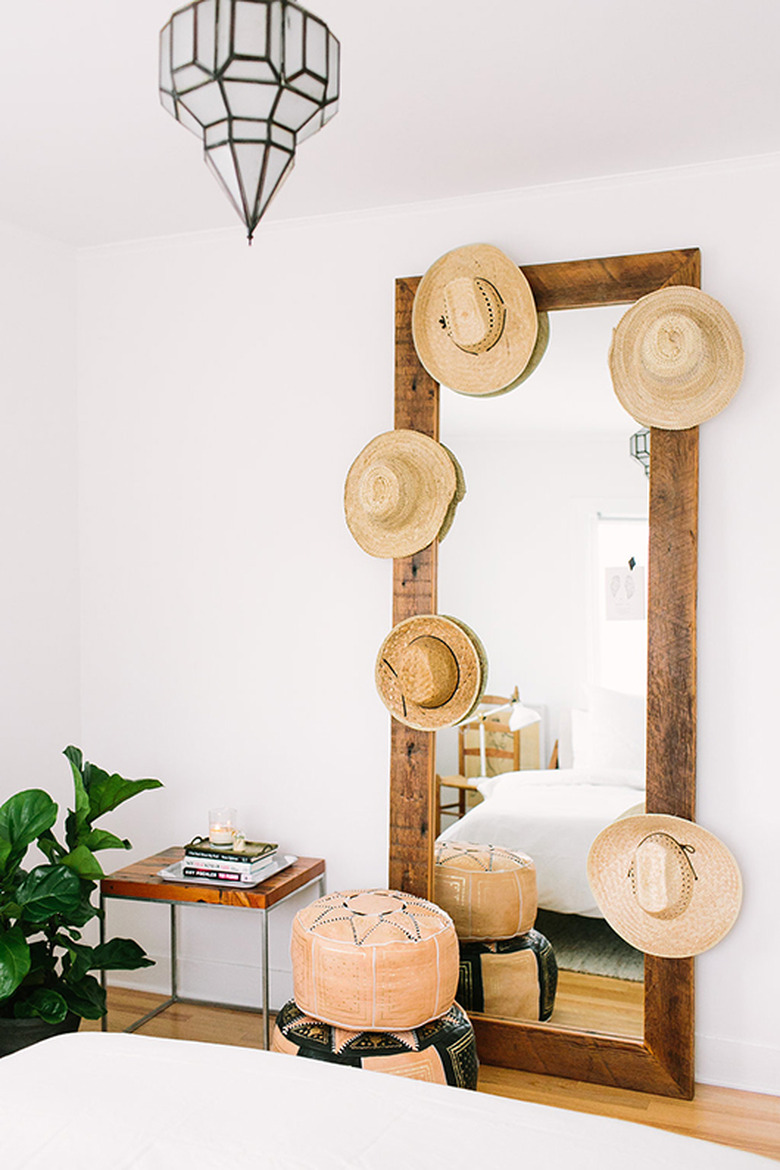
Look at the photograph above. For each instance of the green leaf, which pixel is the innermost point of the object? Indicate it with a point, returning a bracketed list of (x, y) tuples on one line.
[(97, 793), (41, 959), (101, 839), (86, 997), (78, 959), (76, 823), (24, 817), (50, 846), (48, 1005), (48, 890), (83, 862), (74, 755), (14, 960), (106, 792), (119, 954), (84, 912)]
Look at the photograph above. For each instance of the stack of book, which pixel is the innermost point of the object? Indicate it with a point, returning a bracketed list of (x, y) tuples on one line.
[(221, 863)]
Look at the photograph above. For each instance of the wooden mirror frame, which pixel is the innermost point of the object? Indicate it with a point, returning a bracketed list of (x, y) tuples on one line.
[(662, 1061)]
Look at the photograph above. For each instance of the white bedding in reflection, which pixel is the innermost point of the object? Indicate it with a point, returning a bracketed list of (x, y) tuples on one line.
[(553, 816)]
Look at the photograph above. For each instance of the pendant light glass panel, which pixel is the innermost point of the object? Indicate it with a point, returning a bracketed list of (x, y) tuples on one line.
[(206, 104), (246, 99), (254, 79)]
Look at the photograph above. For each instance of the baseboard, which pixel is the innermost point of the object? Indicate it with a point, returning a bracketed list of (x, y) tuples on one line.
[(734, 1064)]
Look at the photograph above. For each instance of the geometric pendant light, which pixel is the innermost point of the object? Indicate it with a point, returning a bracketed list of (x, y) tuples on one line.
[(253, 79), (639, 447)]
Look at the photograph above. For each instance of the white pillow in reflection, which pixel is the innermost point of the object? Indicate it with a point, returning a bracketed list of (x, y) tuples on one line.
[(560, 778), (611, 733)]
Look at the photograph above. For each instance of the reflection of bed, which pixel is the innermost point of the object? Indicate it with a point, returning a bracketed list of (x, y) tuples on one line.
[(553, 816), (104, 1101)]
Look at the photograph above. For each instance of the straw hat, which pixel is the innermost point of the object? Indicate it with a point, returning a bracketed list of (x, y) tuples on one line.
[(474, 320), (431, 671), (666, 885), (399, 493), (676, 358)]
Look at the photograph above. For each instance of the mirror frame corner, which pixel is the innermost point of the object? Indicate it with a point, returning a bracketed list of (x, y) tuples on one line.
[(662, 1061)]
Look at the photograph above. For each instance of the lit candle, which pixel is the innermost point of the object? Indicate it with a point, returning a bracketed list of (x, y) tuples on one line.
[(221, 825)]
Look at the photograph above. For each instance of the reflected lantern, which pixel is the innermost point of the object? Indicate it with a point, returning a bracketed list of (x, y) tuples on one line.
[(253, 79)]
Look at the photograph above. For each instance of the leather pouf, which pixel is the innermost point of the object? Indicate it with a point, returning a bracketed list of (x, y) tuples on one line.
[(489, 891), (442, 1051), (515, 978), (377, 959)]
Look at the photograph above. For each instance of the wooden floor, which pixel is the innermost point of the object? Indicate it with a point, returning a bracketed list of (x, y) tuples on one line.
[(593, 1003), (748, 1121)]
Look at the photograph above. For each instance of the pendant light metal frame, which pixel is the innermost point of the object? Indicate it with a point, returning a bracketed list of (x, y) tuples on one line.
[(252, 79)]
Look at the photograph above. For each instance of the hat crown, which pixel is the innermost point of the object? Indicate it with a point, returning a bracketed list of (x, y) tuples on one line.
[(388, 491), (662, 876), (428, 672), (474, 313), (674, 348)]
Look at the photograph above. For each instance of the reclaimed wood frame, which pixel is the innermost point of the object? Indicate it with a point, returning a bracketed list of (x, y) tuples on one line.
[(662, 1061)]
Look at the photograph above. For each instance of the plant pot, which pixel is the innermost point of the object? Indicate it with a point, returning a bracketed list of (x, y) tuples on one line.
[(16, 1034)]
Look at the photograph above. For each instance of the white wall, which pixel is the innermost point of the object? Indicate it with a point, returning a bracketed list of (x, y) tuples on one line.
[(39, 634), (230, 623)]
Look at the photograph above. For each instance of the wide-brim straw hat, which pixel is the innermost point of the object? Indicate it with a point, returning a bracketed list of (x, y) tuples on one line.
[(676, 358), (664, 884), (474, 321), (399, 493), (431, 671)]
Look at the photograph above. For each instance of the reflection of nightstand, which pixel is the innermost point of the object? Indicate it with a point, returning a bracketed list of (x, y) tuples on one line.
[(141, 882)]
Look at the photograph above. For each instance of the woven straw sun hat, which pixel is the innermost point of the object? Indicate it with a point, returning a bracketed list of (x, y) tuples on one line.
[(474, 321), (400, 492), (664, 884), (431, 671), (676, 358)]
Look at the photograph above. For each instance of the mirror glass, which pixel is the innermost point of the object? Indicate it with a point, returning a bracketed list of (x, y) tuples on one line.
[(547, 563)]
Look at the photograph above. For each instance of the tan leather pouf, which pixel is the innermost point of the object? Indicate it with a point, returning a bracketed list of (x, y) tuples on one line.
[(488, 891), (514, 978), (377, 959), (442, 1051)]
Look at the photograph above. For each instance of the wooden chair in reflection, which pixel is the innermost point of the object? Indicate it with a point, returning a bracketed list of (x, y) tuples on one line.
[(503, 750)]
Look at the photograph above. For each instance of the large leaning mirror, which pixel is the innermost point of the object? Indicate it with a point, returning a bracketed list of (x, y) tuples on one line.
[(550, 562)]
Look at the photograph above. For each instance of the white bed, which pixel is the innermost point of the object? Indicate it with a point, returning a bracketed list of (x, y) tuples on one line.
[(553, 816), (100, 1101)]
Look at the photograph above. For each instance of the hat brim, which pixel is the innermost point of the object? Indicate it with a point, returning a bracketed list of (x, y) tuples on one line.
[(437, 489), (472, 671), (498, 368), (649, 384), (716, 898)]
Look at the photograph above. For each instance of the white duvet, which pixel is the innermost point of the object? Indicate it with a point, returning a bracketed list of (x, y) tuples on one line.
[(97, 1101), (553, 816)]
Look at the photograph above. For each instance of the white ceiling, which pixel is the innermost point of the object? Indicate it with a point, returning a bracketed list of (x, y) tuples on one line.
[(439, 98)]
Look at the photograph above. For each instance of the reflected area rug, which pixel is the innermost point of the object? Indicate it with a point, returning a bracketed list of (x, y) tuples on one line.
[(591, 946)]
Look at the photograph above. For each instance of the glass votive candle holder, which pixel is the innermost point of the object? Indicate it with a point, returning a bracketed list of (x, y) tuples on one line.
[(221, 825)]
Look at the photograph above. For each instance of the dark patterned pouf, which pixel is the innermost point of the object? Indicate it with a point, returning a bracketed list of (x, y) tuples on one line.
[(442, 1051), (515, 978)]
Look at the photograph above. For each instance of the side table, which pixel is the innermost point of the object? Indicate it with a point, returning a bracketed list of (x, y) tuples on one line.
[(141, 882)]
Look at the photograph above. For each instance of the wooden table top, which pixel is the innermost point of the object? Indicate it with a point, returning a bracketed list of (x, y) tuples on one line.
[(141, 881)]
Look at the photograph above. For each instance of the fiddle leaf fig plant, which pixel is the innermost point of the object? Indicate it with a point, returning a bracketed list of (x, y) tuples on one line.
[(44, 964)]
